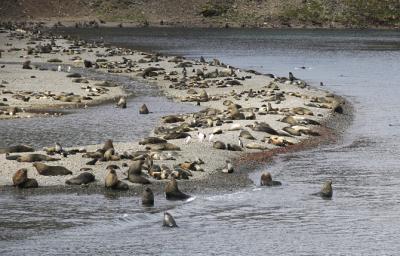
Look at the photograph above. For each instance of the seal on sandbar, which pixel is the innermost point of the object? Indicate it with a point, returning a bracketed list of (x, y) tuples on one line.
[(83, 178), (326, 190), (21, 180), (47, 170), (266, 180), (147, 197), (16, 149), (172, 191), (169, 221), (35, 158), (111, 181)]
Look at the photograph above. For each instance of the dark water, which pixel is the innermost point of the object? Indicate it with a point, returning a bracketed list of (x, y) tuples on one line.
[(361, 219)]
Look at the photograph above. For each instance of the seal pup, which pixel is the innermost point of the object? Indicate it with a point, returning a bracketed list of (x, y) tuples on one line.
[(172, 191), (326, 190), (47, 170), (169, 221), (266, 180), (147, 197), (82, 179)]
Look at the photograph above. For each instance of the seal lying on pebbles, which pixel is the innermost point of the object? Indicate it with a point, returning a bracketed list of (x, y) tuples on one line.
[(169, 221), (21, 180), (81, 179), (326, 191), (266, 180), (16, 149), (172, 191), (246, 135), (135, 173), (35, 158), (47, 170), (147, 197)]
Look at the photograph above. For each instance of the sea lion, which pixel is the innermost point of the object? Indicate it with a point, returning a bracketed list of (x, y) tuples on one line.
[(12, 157), (111, 179), (162, 147), (107, 145), (83, 178), (172, 191), (147, 197), (266, 180), (16, 149), (326, 190), (47, 170), (143, 110), (135, 172), (152, 140), (35, 158), (253, 145), (138, 179), (169, 221), (122, 102), (20, 177), (263, 127)]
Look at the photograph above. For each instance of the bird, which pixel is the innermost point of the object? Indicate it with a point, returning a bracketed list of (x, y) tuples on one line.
[(69, 69), (59, 68), (201, 137), (210, 137), (187, 139), (240, 143)]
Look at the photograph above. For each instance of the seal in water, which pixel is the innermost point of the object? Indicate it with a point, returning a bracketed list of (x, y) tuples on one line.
[(144, 110), (16, 149), (83, 178), (147, 197), (266, 180), (172, 192), (169, 221), (326, 191), (35, 158), (122, 102), (47, 170)]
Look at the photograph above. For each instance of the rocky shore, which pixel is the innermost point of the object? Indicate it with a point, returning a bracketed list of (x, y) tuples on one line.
[(245, 114)]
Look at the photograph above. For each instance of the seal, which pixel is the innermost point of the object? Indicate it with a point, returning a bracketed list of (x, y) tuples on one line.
[(172, 191), (326, 190), (143, 110), (35, 158), (266, 180), (108, 145), (147, 197), (169, 221), (16, 149), (122, 102), (83, 178), (47, 170), (20, 177), (111, 179)]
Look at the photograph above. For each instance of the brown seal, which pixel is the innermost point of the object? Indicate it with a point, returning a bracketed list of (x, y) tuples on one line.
[(172, 191), (108, 145), (47, 170), (147, 197), (30, 158), (326, 190), (111, 179), (16, 149), (266, 180), (143, 110), (81, 179), (20, 177)]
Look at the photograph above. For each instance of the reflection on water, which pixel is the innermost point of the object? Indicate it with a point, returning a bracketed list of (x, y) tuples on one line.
[(361, 219)]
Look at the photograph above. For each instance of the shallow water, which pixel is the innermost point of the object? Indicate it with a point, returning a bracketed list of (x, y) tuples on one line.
[(361, 219)]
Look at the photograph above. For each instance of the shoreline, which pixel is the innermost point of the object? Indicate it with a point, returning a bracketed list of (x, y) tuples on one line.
[(215, 97)]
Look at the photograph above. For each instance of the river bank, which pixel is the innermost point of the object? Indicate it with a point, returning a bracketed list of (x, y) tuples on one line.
[(184, 80)]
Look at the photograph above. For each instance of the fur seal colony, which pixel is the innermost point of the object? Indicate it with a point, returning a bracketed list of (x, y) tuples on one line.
[(243, 111)]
